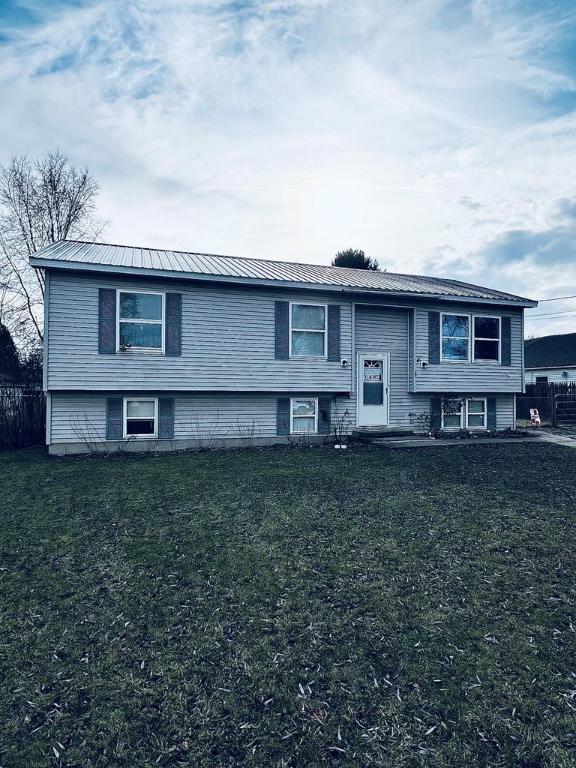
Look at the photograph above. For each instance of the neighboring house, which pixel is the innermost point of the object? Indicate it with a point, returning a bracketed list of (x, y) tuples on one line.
[(170, 349), (550, 359)]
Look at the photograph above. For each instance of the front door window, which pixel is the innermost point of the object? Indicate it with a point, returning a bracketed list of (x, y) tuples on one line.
[(373, 383)]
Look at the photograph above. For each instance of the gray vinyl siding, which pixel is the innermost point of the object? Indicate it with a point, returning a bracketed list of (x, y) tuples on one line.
[(385, 330), (227, 342), (81, 417), (452, 376), (505, 412), (554, 375)]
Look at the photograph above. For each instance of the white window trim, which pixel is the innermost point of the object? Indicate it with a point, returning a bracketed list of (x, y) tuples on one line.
[(484, 413), (471, 338), (309, 330), (292, 417), (125, 418), (162, 321), (464, 416), (481, 338), (442, 337), (454, 429)]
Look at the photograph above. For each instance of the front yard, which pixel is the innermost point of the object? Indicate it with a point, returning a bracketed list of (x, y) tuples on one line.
[(289, 607)]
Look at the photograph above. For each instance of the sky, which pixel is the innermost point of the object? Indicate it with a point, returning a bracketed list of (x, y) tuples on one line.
[(437, 135)]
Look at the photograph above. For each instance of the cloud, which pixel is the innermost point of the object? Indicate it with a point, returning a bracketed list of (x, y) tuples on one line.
[(292, 128), (551, 247)]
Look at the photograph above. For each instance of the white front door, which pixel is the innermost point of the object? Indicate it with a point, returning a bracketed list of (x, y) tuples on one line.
[(372, 379)]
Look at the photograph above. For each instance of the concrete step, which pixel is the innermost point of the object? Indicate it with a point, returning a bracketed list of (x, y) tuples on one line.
[(371, 433)]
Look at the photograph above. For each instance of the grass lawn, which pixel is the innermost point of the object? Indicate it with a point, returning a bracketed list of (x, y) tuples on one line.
[(289, 607)]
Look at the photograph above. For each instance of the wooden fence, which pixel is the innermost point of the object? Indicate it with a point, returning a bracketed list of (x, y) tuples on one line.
[(556, 402), (22, 417)]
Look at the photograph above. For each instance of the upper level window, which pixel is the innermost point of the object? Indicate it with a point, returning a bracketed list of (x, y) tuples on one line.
[(308, 330), (459, 331), (486, 338), (455, 337), (140, 320)]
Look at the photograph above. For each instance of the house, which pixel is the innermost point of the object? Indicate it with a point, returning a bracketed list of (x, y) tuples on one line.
[(158, 349), (550, 359)]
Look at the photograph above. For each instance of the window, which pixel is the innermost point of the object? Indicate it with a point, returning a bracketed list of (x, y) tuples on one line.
[(455, 337), (303, 415), (476, 414), (453, 419), (486, 338), (307, 330), (140, 320), (373, 382), (541, 379), (141, 417), (469, 413)]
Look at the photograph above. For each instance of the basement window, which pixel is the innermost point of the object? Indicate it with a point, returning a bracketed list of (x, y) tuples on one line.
[(141, 417), (303, 415), (469, 413)]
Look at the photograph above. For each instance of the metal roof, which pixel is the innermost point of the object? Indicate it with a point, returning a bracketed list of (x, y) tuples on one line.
[(75, 254)]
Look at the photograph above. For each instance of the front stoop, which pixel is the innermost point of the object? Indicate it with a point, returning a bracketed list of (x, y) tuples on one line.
[(369, 434)]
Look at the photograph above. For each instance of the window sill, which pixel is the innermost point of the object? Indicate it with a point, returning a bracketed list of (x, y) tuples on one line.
[(308, 357), (141, 350), (303, 434), (473, 362)]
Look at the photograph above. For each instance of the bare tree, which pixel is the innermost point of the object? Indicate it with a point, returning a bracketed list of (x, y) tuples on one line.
[(41, 202)]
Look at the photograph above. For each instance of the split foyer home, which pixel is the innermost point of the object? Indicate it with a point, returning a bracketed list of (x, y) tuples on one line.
[(550, 359), (156, 349)]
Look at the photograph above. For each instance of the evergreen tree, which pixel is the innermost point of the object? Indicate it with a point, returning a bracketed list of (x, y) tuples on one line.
[(355, 259), (9, 360)]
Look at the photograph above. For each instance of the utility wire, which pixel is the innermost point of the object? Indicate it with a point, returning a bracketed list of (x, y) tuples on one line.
[(543, 317), (553, 314), (556, 298)]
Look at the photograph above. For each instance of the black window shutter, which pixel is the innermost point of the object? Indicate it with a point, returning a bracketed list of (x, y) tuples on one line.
[(114, 417), (334, 332), (107, 321), (166, 418), (506, 354), (435, 414), (433, 337), (283, 416), (324, 407), (173, 337), (282, 342), (491, 418)]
